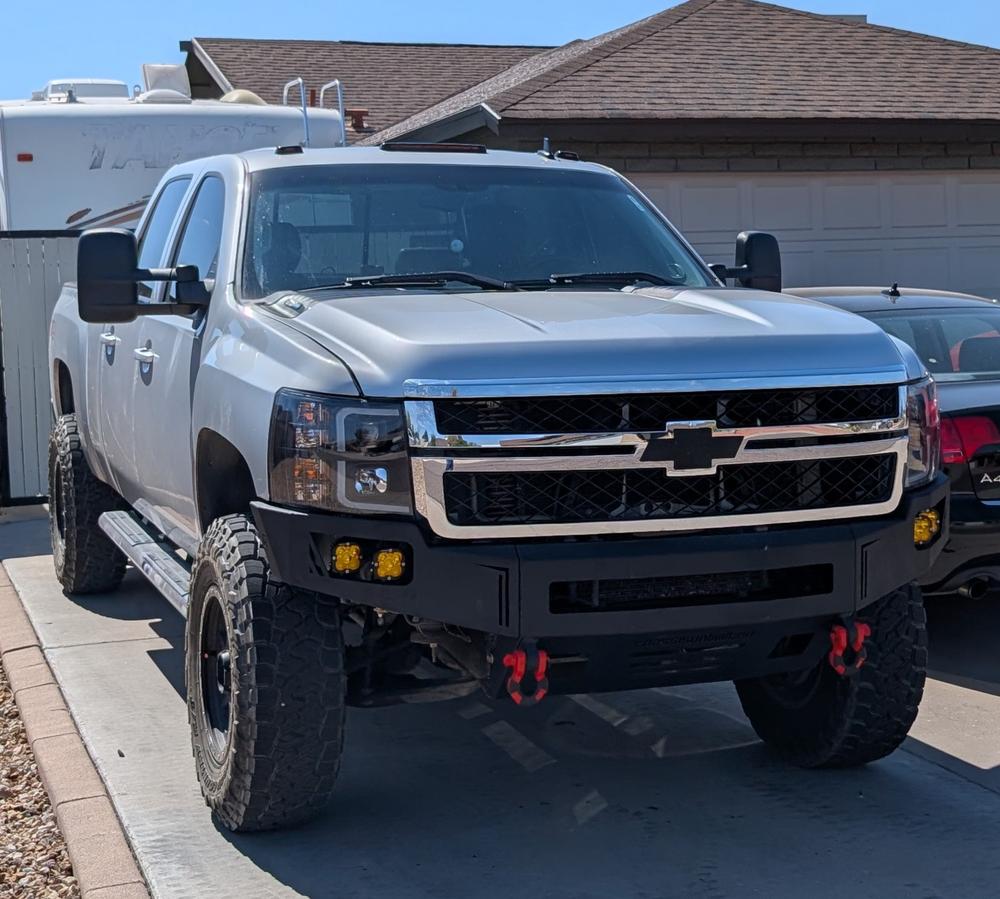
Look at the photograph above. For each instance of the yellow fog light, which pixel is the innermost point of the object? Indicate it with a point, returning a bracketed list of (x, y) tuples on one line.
[(926, 526), (346, 557), (389, 564)]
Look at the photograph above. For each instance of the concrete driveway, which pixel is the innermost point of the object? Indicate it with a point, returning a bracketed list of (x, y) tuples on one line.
[(655, 793)]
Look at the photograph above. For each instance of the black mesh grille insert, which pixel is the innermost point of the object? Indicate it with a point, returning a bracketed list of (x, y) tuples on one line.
[(688, 590), (649, 412), (559, 497)]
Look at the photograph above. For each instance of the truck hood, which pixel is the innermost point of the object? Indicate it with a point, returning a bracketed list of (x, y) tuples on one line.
[(398, 341)]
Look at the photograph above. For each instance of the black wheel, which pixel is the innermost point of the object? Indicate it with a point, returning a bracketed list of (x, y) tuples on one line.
[(265, 685), (86, 561), (819, 719)]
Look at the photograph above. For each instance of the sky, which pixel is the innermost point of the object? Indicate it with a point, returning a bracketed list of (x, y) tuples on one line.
[(112, 38)]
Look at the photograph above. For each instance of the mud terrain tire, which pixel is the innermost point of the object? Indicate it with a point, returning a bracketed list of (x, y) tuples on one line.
[(265, 685), (86, 561), (822, 720)]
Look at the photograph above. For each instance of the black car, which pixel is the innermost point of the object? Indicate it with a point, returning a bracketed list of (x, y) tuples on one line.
[(958, 338)]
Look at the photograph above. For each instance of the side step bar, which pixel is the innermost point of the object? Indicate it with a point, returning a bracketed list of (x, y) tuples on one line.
[(155, 558)]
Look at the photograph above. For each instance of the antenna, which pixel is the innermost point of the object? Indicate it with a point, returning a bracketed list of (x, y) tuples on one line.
[(546, 150), (893, 292), (305, 109)]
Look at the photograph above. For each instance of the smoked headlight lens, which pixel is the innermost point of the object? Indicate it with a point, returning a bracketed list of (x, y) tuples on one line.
[(924, 458), (343, 454)]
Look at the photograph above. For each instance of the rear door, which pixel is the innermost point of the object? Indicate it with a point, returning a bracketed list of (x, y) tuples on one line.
[(112, 366), (169, 349)]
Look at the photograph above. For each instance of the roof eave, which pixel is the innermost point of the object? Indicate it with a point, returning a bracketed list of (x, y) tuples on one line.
[(479, 116), (214, 72)]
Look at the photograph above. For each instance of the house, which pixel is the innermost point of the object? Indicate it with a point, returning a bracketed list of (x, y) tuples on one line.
[(872, 153), (383, 83)]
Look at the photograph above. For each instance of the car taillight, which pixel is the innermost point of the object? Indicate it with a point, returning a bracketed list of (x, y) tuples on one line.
[(962, 437)]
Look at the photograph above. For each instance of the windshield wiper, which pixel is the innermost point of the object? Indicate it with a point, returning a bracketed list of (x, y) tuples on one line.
[(420, 279), (624, 278)]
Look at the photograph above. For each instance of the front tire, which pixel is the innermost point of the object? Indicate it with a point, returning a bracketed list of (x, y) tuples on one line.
[(265, 685), (819, 719), (86, 561)]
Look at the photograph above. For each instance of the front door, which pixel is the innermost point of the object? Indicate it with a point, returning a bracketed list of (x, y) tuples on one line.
[(168, 352), (112, 352)]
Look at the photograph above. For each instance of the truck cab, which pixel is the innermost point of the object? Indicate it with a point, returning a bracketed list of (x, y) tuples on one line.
[(432, 419)]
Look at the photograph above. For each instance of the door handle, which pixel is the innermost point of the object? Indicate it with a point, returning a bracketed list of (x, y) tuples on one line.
[(108, 338), (144, 354)]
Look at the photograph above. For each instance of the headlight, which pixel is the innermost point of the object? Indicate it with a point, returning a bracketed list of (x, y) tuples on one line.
[(925, 432), (343, 454)]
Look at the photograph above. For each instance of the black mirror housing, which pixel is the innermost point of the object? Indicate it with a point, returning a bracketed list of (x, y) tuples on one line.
[(191, 291), (758, 261), (108, 274), (106, 288)]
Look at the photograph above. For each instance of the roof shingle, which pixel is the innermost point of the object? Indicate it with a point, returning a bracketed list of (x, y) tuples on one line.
[(729, 59), (391, 80)]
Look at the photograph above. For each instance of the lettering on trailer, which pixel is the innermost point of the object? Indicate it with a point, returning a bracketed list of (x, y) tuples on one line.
[(116, 146)]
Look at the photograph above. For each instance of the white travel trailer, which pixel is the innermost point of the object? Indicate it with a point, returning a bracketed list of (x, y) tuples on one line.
[(85, 153)]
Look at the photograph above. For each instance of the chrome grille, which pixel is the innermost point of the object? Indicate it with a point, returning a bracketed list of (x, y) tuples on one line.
[(556, 497), (504, 464)]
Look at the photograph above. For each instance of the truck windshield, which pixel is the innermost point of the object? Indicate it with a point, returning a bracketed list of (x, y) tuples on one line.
[(313, 226)]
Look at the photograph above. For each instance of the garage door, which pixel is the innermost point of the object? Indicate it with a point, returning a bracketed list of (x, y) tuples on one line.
[(922, 229)]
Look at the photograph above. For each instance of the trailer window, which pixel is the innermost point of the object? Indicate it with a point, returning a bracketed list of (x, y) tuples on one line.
[(153, 241)]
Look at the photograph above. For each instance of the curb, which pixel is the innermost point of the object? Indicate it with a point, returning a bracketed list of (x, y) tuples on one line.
[(102, 859)]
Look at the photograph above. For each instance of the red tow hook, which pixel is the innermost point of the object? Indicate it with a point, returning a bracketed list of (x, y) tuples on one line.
[(848, 651), (520, 662)]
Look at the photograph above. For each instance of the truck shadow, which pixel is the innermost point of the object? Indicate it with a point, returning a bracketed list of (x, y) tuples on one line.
[(654, 793), (136, 601), (435, 804)]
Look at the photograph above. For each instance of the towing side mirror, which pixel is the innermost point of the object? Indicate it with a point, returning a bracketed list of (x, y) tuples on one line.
[(106, 261), (758, 261), (108, 274)]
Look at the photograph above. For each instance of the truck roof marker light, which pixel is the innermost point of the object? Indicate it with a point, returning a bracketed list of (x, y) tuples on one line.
[(402, 146), (25, 157)]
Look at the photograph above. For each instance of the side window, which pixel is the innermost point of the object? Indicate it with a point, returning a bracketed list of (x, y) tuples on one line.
[(154, 236), (202, 236)]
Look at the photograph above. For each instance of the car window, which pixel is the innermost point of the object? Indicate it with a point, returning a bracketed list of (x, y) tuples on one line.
[(157, 229), (202, 234), (958, 344), (314, 225)]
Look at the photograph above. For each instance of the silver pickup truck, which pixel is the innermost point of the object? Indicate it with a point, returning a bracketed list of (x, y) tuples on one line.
[(411, 421)]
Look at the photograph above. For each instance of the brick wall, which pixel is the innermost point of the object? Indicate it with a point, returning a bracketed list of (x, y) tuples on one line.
[(849, 154), (784, 156)]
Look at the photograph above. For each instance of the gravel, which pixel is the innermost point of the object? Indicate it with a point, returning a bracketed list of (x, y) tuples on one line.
[(33, 859)]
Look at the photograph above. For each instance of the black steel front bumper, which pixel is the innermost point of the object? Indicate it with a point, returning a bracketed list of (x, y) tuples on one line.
[(973, 547), (504, 588)]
